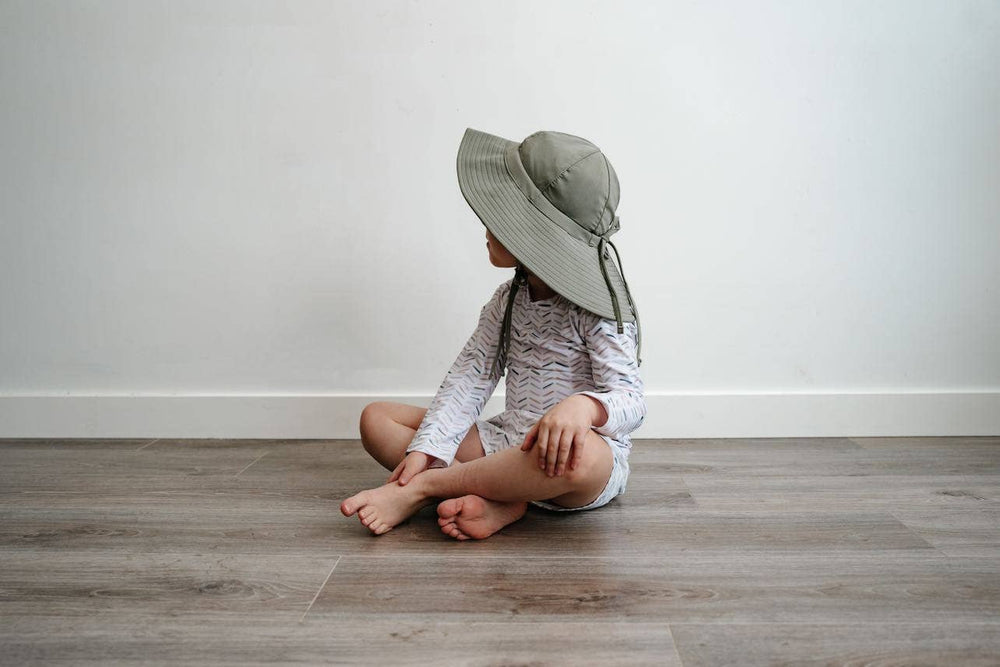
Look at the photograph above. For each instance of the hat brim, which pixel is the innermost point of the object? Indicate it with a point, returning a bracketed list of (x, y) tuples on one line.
[(567, 264)]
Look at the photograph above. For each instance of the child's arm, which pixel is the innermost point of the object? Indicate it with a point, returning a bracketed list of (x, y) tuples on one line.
[(619, 387), (615, 409), (466, 387)]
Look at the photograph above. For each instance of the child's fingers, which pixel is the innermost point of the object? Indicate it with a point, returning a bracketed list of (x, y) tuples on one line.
[(395, 473), (564, 453), (410, 469), (565, 446), (529, 439), (577, 452), (555, 444), (542, 445)]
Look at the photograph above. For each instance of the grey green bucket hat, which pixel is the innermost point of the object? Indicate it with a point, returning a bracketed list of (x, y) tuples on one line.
[(550, 200)]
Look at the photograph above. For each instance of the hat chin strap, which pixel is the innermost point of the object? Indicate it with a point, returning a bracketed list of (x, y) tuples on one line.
[(521, 280), (601, 246), (500, 360)]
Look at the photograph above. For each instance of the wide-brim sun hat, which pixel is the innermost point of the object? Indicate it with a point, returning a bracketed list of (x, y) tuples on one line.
[(550, 200)]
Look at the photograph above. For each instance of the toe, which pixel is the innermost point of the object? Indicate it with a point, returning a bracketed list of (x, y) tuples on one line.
[(450, 508), (352, 504)]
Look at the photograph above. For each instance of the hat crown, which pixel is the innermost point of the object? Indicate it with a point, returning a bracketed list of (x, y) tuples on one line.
[(575, 176)]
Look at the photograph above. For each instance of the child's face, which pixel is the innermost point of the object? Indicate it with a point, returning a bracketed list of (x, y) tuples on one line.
[(499, 256)]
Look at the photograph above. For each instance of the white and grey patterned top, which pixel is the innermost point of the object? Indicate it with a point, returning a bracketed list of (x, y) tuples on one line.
[(556, 349)]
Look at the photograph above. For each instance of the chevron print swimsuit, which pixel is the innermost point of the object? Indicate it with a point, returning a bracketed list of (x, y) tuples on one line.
[(556, 349)]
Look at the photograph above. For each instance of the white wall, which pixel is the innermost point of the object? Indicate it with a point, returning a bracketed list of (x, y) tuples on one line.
[(260, 198)]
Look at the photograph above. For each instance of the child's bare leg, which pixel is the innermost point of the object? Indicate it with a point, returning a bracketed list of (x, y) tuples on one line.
[(510, 476), (387, 429)]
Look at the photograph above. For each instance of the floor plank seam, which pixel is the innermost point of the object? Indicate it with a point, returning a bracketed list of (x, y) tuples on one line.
[(673, 642), (320, 590), (151, 442), (917, 533), (252, 462), (690, 494)]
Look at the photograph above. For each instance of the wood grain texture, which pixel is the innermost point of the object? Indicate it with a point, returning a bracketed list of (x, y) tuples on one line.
[(753, 552), (848, 644), (751, 586)]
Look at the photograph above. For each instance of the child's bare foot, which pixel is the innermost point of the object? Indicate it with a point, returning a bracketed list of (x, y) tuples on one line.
[(385, 507), (473, 517)]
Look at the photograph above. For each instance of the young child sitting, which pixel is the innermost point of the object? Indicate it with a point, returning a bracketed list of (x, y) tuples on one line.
[(561, 329)]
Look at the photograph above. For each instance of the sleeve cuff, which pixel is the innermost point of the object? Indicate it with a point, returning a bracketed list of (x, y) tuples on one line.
[(611, 426), (438, 461)]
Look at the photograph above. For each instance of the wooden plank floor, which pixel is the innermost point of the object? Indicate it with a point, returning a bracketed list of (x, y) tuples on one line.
[(827, 551)]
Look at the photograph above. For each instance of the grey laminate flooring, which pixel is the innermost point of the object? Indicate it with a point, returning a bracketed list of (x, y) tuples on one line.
[(722, 552)]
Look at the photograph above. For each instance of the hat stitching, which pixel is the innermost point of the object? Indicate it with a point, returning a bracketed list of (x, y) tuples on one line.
[(600, 215), (515, 169), (501, 208), (560, 175)]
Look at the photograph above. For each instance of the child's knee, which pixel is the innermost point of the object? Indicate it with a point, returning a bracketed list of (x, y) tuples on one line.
[(471, 446), (371, 415), (596, 461)]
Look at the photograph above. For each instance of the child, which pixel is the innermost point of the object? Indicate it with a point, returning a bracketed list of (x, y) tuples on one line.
[(559, 326)]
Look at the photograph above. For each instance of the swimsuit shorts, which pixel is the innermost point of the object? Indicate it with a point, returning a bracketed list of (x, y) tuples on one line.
[(494, 441)]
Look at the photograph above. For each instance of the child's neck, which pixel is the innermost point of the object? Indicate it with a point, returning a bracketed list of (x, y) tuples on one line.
[(537, 289)]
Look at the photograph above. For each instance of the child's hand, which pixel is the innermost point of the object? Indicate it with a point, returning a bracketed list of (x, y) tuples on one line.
[(562, 431), (413, 463)]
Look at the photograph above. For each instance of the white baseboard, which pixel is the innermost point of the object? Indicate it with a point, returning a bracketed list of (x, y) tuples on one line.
[(336, 416)]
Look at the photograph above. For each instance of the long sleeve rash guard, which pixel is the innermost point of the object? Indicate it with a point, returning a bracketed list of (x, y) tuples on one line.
[(556, 349)]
